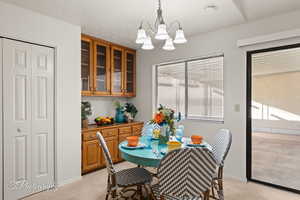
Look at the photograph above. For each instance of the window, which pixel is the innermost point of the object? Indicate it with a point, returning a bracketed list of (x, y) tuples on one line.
[(192, 87), (171, 86)]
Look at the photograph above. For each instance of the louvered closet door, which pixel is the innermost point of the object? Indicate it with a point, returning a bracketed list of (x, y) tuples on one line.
[(28, 118)]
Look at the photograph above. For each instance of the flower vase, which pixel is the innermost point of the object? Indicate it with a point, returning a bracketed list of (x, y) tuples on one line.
[(119, 118), (164, 134)]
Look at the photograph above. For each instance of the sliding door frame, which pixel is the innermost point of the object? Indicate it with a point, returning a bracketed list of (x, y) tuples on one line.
[(249, 115)]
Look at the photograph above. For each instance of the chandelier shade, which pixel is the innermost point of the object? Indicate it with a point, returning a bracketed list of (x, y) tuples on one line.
[(169, 46), (160, 31), (180, 38), (141, 36), (148, 44)]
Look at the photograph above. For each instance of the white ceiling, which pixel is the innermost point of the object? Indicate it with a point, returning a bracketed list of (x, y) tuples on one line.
[(118, 20)]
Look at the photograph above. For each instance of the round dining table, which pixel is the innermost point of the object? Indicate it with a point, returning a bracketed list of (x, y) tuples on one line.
[(146, 156)]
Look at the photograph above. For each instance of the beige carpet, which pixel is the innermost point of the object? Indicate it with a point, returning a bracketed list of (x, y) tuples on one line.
[(93, 187), (276, 159)]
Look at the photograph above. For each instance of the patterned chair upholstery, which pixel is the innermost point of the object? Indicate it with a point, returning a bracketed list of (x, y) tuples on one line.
[(185, 173), (221, 146), (124, 178)]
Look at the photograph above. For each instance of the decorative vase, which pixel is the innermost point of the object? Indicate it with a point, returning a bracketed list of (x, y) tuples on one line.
[(85, 123), (119, 118), (164, 134)]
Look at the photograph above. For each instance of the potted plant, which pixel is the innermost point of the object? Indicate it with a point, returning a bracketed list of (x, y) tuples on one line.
[(119, 118), (130, 111), (86, 111)]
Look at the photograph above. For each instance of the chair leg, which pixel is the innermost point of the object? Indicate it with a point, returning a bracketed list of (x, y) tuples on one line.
[(107, 195), (206, 195), (220, 184), (152, 196)]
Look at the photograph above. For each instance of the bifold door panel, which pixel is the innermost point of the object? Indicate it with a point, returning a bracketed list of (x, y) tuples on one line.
[(28, 118)]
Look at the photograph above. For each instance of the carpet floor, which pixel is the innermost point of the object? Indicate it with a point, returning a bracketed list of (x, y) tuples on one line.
[(93, 187)]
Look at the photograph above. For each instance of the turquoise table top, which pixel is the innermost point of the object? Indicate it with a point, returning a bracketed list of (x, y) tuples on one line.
[(145, 156)]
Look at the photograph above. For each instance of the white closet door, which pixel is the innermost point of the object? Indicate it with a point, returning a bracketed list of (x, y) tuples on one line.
[(28, 118), (42, 117), (17, 118), (1, 137)]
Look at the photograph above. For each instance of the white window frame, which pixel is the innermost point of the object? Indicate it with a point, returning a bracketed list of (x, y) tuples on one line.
[(185, 61)]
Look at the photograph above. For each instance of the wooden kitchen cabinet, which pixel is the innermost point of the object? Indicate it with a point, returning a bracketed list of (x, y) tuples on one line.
[(86, 66), (117, 71), (101, 75), (124, 132), (129, 73), (107, 69), (112, 145), (137, 130), (92, 156)]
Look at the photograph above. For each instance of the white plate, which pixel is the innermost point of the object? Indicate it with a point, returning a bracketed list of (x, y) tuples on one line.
[(139, 146)]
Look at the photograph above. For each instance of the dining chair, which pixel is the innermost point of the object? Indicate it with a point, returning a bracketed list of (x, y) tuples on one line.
[(123, 179), (220, 149), (185, 173)]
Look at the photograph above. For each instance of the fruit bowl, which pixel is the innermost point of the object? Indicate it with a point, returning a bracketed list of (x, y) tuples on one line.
[(101, 121)]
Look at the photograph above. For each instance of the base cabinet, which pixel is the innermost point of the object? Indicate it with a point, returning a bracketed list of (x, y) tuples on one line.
[(92, 156)]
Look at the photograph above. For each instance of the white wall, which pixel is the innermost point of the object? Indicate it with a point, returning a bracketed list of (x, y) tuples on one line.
[(26, 25), (102, 106), (224, 40)]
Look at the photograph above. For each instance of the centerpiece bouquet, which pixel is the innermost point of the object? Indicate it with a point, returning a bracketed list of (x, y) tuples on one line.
[(164, 117)]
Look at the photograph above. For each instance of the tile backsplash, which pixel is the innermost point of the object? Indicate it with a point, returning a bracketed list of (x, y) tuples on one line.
[(102, 106)]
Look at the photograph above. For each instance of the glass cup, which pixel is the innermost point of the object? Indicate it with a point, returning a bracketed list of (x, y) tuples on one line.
[(148, 139), (154, 145)]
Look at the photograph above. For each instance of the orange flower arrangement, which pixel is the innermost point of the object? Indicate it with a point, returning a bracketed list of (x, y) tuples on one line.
[(159, 118), (164, 116)]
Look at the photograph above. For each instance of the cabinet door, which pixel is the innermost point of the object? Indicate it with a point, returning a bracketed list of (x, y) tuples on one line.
[(137, 129), (112, 145), (129, 72), (86, 66), (117, 71), (91, 155), (121, 139), (101, 68)]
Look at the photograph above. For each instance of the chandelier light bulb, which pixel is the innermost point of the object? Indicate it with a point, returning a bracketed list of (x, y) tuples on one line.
[(148, 44), (169, 46), (180, 38), (162, 33), (141, 36)]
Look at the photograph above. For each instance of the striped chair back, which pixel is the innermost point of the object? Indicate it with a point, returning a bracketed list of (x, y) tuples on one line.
[(222, 145), (186, 172), (108, 160)]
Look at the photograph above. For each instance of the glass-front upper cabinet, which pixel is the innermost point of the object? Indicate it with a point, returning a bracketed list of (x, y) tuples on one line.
[(86, 66), (101, 68), (117, 71), (129, 72)]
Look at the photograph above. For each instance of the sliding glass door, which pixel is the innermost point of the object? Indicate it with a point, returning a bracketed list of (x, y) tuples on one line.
[(273, 125)]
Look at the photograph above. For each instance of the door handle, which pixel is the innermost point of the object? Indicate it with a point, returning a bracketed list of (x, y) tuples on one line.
[(18, 130)]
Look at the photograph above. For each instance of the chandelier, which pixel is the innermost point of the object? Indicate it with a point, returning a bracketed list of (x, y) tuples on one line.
[(160, 31)]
